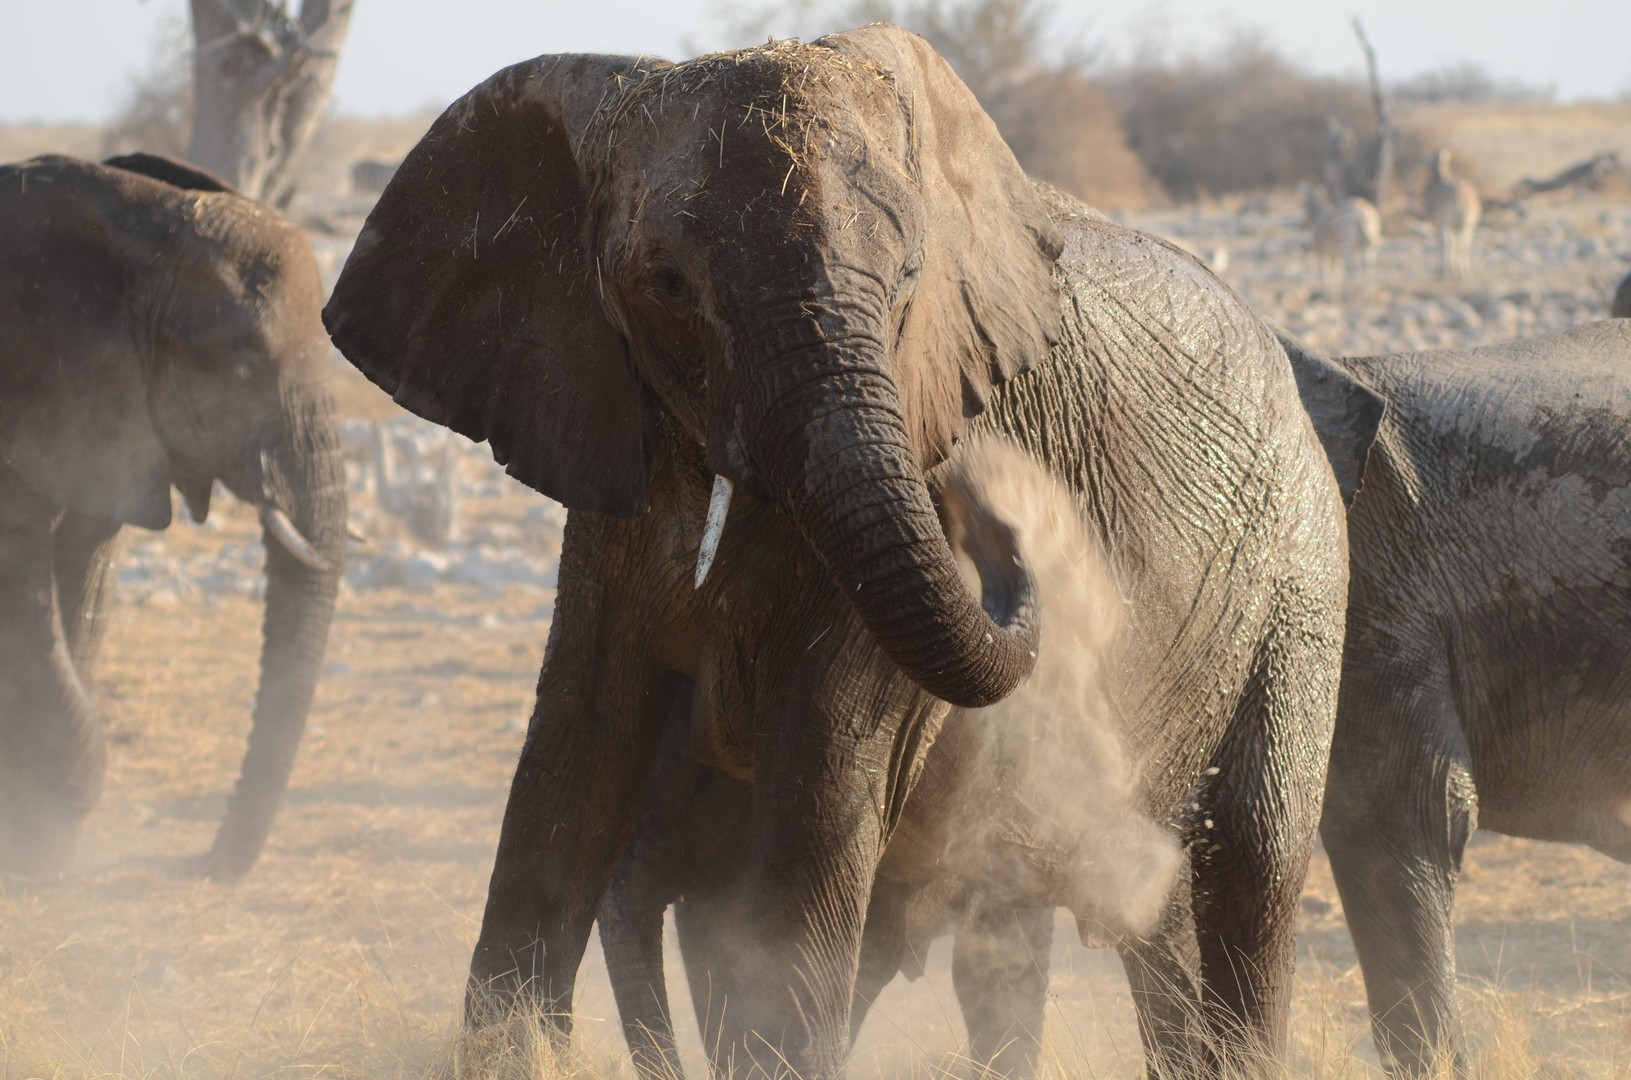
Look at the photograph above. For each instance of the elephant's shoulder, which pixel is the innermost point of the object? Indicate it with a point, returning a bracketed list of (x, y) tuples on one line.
[(1127, 289)]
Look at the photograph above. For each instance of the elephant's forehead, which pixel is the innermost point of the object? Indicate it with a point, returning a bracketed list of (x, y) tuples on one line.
[(782, 93), (795, 69)]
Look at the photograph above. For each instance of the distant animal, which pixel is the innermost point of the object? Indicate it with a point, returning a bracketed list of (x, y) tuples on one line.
[(157, 330), (1591, 174), (370, 175), (1621, 306), (1486, 680), (798, 273), (1453, 208), (1339, 230)]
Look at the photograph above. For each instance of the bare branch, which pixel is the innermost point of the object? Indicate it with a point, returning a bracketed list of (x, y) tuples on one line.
[(1384, 123)]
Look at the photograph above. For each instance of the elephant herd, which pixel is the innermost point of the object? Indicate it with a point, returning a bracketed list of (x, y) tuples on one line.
[(761, 321)]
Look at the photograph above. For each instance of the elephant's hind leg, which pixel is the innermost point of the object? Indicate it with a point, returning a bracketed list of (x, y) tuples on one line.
[(1399, 809), (999, 970)]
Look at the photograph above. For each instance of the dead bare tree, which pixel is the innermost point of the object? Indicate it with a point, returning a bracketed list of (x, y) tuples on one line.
[(261, 77), (1384, 122)]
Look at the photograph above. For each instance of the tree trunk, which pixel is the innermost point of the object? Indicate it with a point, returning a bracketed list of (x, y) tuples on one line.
[(261, 78), (1384, 123)]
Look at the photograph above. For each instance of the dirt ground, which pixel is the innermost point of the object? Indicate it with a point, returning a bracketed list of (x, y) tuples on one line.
[(343, 954)]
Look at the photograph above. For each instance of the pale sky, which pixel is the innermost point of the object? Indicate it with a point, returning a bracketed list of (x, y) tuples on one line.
[(72, 60)]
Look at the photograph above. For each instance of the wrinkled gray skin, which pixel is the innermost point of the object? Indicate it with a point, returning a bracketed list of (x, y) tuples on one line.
[(807, 267), (156, 330), (1488, 663)]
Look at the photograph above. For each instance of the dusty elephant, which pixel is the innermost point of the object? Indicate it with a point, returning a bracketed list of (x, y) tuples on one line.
[(159, 330), (799, 272), (1021, 808), (1485, 679)]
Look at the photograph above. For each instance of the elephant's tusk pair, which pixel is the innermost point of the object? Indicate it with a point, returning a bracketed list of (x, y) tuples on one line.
[(277, 523), (718, 506)]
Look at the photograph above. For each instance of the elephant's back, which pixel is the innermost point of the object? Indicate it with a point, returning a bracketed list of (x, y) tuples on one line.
[(1497, 512), (1506, 394), (1493, 537), (1535, 430)]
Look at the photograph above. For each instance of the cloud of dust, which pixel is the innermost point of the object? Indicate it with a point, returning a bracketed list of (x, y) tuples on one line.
[(1049, 798)]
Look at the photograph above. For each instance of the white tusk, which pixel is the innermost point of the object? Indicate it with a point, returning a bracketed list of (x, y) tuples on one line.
[(351, 533), (278, 524), (719, 504)]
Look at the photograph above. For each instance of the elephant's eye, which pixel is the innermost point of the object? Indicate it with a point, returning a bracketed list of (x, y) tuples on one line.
[(667, 283)]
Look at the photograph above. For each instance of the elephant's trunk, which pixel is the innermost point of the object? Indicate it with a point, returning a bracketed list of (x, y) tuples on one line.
[(304, 483), (850, 479)]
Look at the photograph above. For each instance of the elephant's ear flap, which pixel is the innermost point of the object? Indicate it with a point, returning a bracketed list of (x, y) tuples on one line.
[(471, 295), (986, 307), (1346, 413), (74, 420)]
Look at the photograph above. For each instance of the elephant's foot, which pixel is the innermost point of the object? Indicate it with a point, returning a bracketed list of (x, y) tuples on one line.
[(37, 838), (224, 863), (1420, 1035)]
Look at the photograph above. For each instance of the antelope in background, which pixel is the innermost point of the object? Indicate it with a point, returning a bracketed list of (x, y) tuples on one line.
[(1453, 208), (1340, 229)]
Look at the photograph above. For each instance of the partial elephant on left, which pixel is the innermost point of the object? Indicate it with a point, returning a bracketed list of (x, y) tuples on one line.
[(157, 330)]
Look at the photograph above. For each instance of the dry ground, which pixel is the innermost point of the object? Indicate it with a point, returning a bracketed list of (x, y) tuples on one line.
[(343, 953)]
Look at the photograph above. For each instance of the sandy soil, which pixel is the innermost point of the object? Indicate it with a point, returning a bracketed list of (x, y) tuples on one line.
[(343, 953)]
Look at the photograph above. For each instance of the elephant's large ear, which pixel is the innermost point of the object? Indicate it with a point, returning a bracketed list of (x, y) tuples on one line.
[(1346, 413), (986, 306), (471, 295), (74, 421)]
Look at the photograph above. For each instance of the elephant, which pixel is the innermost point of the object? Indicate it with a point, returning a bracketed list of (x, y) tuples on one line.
[(1484, 680), (160, 330), (1021, 807), (798, 274)]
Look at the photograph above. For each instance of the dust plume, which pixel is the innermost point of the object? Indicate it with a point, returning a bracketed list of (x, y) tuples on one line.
[(1049, 809)]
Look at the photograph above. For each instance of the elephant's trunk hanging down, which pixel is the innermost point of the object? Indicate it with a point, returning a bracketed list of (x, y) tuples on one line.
[(851, 481), (304, 477)]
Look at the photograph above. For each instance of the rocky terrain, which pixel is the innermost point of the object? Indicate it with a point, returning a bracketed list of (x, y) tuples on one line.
[(1550, 265)]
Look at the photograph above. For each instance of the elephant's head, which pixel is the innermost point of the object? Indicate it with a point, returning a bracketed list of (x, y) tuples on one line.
[(815, 259), (170, 335)]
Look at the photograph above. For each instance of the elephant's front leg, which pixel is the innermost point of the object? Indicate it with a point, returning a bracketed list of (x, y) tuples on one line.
[(1399, 808), (602, 697), (1251, 830), (52, 753), (828, 783)]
